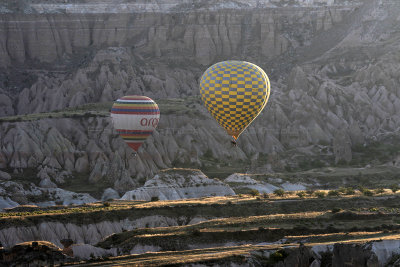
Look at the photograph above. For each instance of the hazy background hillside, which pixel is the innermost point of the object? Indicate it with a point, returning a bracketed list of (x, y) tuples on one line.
[(333, 64)]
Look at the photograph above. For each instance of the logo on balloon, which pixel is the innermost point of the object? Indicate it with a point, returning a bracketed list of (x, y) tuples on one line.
[(149, 122)]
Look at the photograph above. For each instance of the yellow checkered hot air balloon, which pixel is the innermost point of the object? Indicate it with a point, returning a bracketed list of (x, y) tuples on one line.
[(234, 92)]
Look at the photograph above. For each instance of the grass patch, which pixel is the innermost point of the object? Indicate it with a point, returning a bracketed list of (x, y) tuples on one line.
[(185, 106)]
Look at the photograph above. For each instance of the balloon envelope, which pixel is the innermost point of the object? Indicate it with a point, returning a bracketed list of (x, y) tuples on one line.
[(135, 118), (234, 92)]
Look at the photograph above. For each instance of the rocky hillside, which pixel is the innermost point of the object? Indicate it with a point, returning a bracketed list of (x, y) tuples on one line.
[(333, 65), (174, 184)]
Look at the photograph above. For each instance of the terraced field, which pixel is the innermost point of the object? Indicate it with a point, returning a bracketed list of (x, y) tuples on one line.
[(254, 229), (263, 230)]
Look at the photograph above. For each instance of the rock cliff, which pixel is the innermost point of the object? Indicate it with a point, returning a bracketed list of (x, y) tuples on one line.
[(333, 66)]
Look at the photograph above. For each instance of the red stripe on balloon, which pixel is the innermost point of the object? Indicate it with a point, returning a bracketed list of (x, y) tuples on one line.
[(139, 113), (134, 107), (135, 146)]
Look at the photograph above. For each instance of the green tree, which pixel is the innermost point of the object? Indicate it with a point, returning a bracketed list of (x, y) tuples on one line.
[(279, 192), (310, 192), (301, 194), (380, 191), (333, 193), (350, 191), (394, 188), (254, 192), (368, 193)]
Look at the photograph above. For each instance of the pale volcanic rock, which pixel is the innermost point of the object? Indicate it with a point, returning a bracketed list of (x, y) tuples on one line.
[(385, 249), (124, 182), (14, 192), (355, 134), (178, 184), (7, 203), (4, 176), (82, 164), (90, 233), (109, 193), (269, 186), (46, 183), (204, 46), (192, 37), (342, 146), (320, 81), (6, 107)]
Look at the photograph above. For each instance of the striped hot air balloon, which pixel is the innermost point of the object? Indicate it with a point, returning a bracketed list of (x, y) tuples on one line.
[(135, 118)]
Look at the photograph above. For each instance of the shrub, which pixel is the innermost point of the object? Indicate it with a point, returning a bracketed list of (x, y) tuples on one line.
[(265, 195), (361, 189), (277, 256), (310, 192), (254, 192), (155, 199), (301, 194), (368, 193), (333, 193), (196, 232), (336, 210), (342, 190), (394, 188), (350, 191), (320, 194), (380, 191), (279, 192)]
